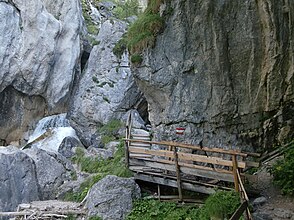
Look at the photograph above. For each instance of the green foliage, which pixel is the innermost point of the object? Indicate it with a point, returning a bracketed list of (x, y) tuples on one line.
[(283, 172), (120, 47), (136, 59), (110, 130), (142, 33), (154, 209), (221, 204), (101, 167), (80, 194), (91, 26), (126, 9)]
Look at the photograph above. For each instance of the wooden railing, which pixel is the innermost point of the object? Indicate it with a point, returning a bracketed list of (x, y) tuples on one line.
[(185, 166)]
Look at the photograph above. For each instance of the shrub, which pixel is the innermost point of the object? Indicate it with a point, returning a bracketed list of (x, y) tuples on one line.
[(126, 9), (221, 204), (283, 172), (154, 209), (142, 33), (136, 59), (110, 130)]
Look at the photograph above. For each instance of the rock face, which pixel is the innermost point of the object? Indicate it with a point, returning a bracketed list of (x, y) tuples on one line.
[(28, 108), (39, 53), (18, 182), (111, 198), (228, 76), (106, 89)]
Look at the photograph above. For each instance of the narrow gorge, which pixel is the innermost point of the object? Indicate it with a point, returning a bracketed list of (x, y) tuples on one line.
[(72, 71)]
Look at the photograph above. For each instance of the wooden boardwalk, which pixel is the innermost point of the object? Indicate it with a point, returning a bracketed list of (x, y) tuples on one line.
[(189, 167)]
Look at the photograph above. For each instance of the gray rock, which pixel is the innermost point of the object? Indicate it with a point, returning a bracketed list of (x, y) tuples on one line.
[(137, 121), (39, 57), (105, 153), (106, 90), (18, 112), (283, 213), (111, 198), (261, 216), (67, 145), (221, 78), (259, 201), (52, 170), (18, 180)]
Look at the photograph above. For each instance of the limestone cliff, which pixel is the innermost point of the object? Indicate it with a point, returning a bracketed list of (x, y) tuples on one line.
[(39, 58), (224, 71)]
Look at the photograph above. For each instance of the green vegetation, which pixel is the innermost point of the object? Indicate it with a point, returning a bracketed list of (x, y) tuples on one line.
[(109, 131), (142, 33), (95, 218), (91, 26), (120, 47), (220, 205), (125, 9), (136, 58), (101, 168), (154, 209), (283, 171)]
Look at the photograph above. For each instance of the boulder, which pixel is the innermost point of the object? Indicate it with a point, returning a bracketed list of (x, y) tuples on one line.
[(18, 180), (111, 198), (67, 146), (52, 170)]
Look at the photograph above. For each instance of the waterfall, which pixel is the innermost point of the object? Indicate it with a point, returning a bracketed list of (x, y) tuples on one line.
[(50, 132), (49, 122)]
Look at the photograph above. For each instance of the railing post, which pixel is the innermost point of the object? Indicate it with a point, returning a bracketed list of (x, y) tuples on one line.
[(235, 167), (178, 174), (127, 156)]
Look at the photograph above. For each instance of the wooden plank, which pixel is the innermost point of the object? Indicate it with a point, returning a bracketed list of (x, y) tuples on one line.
[(162, 153), (183, 164), (186, 157), (201, 173), (140, 145), (178, 173), (193, 147), (211, 160), (173, 183), (238, 213), (140, 155), (252, 164), (195, 182)]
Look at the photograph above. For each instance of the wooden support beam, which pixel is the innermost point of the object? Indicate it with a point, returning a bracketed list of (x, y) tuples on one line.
[(235, 170), (238, 213), (173, 183), (178, 173), (228, 177)]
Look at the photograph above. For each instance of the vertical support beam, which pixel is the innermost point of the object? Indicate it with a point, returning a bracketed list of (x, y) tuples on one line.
[(127, 155), (158, 191), (178, 174), (235, 167)]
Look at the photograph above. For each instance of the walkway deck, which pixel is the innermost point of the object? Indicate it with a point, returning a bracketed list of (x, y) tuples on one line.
[(190, 167)]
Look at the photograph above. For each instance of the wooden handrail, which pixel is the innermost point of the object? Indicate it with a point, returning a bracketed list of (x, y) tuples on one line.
[(193, 147)]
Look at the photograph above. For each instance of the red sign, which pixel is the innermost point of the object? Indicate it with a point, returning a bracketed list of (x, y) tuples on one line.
[(180, 131)]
